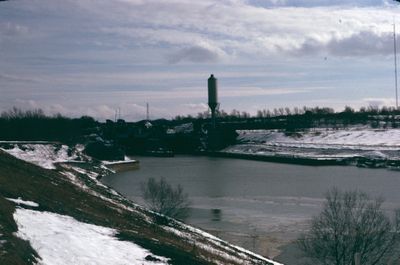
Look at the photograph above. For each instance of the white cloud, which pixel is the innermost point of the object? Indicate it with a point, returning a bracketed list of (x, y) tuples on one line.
[(260, 91), (211, 31), (8, 29), (16, 78), (237, 28), (314, 3), (129, 111), (196, 107), (379, 102), (363, 43), (91, 57), (194, 54)]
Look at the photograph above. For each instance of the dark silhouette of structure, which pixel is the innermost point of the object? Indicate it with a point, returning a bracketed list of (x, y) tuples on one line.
[(213, 97)]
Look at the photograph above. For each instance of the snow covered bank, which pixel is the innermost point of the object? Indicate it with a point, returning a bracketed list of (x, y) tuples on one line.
[(48, 154), (229, 250), (61, 239), (353, 137), (343, 144), (41, 154)]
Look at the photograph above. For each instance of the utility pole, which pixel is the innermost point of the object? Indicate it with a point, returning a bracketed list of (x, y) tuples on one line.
[(395, 61), (395, 57), (117, 115), (147, 112), (357, 259)]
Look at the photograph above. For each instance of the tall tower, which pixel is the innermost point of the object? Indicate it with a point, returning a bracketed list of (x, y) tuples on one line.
[(213, 97)]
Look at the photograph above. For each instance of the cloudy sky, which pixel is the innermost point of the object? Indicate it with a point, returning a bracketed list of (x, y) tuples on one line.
[(91, 57)]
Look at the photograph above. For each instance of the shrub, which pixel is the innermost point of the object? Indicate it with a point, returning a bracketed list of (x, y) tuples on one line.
[(161, 197), (351, 223)]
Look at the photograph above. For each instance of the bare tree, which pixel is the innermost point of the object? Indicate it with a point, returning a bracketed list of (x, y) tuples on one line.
[(288, 112), (351, 223), (161, 197)]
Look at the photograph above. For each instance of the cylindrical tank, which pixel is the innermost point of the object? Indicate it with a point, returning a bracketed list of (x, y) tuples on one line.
[(212, 92)]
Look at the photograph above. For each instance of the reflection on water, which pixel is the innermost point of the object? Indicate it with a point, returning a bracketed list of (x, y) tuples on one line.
[(257, 205), (216, 215)]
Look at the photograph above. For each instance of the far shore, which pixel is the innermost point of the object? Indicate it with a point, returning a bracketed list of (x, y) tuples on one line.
[(358, 161)]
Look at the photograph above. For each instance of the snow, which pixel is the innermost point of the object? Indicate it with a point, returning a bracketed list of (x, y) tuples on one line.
[(2, 241), (90, 174), (321, 143), (217, 241), (75, 180), (43, 154), (79, 183), (184, 128), (61, 239), (256, 255), (118, 162), (350, 137), (20, 201)]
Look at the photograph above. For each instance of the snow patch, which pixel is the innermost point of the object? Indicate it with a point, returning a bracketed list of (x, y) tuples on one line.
[(344, 137), (79, 183), (43, 155), (126, 161), (2, 242), (61, 239), (21, 201)]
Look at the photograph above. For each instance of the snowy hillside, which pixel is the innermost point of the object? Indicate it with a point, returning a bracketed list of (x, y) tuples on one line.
[(321, 143), (44, 154), (78, 220)]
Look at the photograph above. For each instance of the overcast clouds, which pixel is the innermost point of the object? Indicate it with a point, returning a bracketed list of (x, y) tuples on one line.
[(90, 57)]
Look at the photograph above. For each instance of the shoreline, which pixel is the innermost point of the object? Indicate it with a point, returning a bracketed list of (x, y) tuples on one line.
[(282, 159), (122, 166), (358, 161)]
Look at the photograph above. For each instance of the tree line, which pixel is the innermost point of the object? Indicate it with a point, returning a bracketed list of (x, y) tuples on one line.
[(35, 125), (31, 125), (296, 111), (305, 117)]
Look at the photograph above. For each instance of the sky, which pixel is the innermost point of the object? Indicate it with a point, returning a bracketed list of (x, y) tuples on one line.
[(92, 57)]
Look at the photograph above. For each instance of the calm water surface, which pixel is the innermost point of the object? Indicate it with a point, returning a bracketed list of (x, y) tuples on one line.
[(258, 205)]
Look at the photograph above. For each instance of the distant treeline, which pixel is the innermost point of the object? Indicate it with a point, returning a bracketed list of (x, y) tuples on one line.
[(306, 117), (34, 125)]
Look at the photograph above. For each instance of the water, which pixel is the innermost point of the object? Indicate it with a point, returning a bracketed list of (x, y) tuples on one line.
[(258, 205)]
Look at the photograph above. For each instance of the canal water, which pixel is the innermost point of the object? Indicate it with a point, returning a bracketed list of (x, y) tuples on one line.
[(258, 205)]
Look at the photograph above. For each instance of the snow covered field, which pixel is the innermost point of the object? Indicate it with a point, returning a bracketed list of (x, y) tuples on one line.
[(354, 137), (321, 143)]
